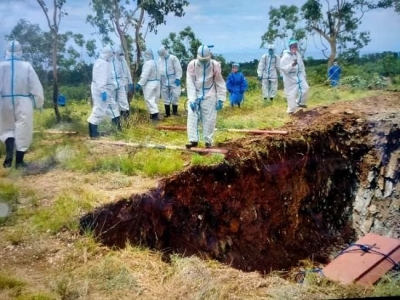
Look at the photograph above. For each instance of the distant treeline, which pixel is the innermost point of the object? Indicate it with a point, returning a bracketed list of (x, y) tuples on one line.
[(75, 82)]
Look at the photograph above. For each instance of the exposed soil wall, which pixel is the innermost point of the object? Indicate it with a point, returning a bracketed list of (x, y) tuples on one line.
[(277, 199)]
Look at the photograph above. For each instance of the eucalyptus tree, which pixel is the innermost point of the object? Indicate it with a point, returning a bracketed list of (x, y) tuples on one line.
[(53, 17), (120, 16), (183, 45), (334, 22)]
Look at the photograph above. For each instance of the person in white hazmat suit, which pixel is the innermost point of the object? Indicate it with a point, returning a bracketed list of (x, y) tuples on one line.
[(206, 91), (171, 74), (21, 92), (267, 73), (124, 82), (150, 83), (294, 79), (103, 93)]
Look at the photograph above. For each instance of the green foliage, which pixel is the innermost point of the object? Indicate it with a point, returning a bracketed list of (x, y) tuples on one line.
[(359, 82), (337, 23), (184, 45)]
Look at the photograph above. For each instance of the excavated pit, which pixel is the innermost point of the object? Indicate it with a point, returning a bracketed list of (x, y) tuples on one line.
[(277, 199)]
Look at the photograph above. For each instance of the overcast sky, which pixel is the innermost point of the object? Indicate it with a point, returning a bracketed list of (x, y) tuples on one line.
[(234, 27)]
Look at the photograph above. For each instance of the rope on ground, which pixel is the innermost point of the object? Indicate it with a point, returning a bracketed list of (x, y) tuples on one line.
[(369, 249)]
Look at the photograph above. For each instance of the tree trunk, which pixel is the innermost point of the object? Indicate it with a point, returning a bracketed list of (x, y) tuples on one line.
[(332, 57), (55, 77)]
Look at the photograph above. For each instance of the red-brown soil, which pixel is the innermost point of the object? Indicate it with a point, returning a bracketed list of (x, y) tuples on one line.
[(276, 200)]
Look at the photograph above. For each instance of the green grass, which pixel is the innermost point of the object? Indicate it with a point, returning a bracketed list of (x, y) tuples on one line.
[(76, 154), (64, 212), (207, 160)]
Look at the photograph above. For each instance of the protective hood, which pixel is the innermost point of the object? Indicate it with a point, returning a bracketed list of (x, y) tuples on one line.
[(162, 52), (148, 54), (14, 50), (107, 53)]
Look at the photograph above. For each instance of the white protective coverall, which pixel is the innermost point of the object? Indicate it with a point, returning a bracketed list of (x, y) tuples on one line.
[(118, 79), (205, 86), (294, 80), (268, 72), (150, 82), (102, 82), (126, 80), (21, 92), (170, 70)]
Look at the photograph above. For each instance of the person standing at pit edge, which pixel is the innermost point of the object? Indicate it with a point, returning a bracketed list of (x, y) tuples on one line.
[(21, 92), (267, 73), (123, 80), (206, 91), (294, 79), (150, 83), (170, 82)]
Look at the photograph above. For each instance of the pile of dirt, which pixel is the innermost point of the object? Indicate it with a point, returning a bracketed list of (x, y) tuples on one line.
[(276, 199)]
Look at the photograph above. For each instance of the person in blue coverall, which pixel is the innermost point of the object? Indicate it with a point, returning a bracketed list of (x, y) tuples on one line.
[(334, 74), (236, 85)]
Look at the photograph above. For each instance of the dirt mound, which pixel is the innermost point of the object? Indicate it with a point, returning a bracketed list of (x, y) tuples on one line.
[(277, 199)]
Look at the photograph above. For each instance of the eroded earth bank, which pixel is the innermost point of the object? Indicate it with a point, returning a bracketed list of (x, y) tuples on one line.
[(277, 199)]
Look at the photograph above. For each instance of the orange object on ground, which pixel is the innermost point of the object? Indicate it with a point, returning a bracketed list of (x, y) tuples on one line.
[(365, 261)]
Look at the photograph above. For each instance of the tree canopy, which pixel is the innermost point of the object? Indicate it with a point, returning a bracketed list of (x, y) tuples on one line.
[(335, 23)]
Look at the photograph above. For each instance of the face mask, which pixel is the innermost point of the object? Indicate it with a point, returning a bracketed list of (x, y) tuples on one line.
[(203, 62)]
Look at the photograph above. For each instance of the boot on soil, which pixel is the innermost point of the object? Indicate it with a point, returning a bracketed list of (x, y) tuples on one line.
[(93, 132), (19, 160), (208, 145), (191, 145), (117, 123), (167, 110), (271, 99), (10, 142), (175, 110)]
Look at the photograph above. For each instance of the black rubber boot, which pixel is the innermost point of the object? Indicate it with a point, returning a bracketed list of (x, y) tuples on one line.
[(272, 99), (191, 144), (10, 142), (93, 132), (155, 117), (117, 123), (175, 110), (19, 160), (167, 110), (208, 145), (125, 114)]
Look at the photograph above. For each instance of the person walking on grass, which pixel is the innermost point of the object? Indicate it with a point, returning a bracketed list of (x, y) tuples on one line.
[(206, 91), (21, 92), (236, 85), (267, 73), (294, 79), (103, 91)]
